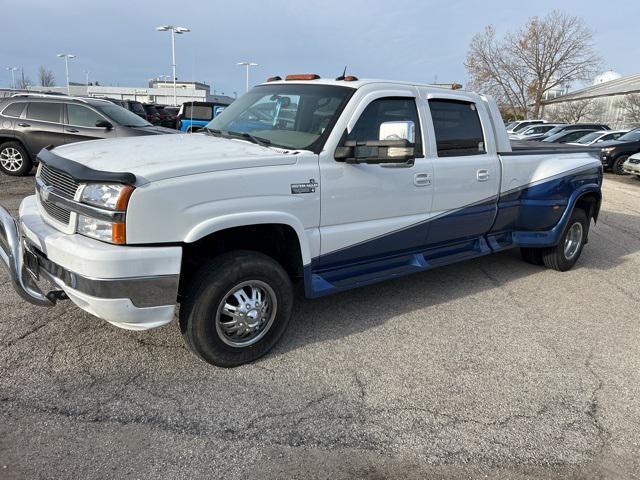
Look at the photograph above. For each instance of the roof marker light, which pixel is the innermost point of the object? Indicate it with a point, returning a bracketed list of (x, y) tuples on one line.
[(274, 79), (303, 76)]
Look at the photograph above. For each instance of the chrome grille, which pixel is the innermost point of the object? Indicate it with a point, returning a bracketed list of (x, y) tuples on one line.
[(61, 181), (56, 212), (65, 185)]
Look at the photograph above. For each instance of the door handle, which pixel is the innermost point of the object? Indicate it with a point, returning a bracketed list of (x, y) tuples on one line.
[(482, 175), (25, 125), (72, 130), (422, 179)]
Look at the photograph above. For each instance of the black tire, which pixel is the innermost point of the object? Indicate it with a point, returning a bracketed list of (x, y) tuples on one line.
[(556, 257), (14, 159), (532, 255), (212, 286), (617, 165)]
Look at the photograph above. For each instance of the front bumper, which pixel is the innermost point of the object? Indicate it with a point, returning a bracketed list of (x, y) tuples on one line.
[(632, 168), (131, 287)]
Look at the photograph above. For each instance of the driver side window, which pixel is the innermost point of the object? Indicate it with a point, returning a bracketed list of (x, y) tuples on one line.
[(396, 109), (400, 109)]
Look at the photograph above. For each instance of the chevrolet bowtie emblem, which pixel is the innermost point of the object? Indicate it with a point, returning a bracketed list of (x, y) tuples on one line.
[(44, 193)]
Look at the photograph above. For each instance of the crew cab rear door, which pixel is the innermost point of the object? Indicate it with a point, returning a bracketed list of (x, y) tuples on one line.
[(466, 168)]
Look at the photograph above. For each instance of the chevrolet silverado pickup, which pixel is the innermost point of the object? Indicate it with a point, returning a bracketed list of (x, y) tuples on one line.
[(330, 184)]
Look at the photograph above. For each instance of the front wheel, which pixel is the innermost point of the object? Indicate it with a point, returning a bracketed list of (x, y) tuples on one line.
[(236, 308), (564, 256), (617, 166), (14, 159)]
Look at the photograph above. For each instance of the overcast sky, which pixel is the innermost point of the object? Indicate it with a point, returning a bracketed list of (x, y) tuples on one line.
[(117, 43)]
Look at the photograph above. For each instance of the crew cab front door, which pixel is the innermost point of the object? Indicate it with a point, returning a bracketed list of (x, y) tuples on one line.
[(374, 211)]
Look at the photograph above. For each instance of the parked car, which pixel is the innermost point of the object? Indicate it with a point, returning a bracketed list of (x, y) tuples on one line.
[(193, 116), (532, 130), (632, 165), (225, 222), (133, 106), (567, 136), (520, 125), (29, 123), (153, 116), (574, 126), (594, 138), (615, 153), (168, 116)]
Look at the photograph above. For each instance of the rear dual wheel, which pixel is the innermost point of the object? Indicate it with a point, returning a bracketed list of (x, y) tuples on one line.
[(563, 256)]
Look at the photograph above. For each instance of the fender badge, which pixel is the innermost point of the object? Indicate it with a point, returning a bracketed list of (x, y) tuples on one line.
[(309, 187)]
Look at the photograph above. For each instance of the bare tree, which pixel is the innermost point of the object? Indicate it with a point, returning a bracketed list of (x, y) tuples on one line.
[(47, 78), (520, 68), (23, 82), (577, 111), (630, 106)]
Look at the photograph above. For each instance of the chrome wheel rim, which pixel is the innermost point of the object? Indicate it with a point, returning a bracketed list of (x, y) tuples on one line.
[(572, 241), (246, 313), (11, 159)]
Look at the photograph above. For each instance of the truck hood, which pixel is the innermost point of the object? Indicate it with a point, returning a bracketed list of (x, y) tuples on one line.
[(158, 157)]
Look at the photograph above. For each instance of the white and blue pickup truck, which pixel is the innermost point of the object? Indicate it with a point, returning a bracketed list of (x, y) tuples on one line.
[(333, 184)]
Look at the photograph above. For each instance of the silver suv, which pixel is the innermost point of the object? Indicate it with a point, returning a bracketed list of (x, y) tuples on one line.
[(30, 122)]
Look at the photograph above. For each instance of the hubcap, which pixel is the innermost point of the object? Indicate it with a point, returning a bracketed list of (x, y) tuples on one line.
[(11, 159), (572, 241), (246, 313)]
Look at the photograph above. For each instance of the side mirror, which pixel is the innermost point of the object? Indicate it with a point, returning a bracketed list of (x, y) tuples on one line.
[(104, 124), (396, 144)]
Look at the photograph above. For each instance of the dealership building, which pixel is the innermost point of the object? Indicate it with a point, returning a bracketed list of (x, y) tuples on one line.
[(158, 91), (606, 94)]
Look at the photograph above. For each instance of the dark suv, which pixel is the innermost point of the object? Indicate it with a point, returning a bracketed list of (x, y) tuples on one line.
[(28, 123), (614, 153)]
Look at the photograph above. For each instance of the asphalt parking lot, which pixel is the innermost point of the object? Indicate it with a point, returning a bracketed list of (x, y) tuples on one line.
[(492, 368)]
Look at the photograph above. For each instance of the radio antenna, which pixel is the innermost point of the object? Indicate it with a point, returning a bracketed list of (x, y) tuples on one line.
[(344, 74)]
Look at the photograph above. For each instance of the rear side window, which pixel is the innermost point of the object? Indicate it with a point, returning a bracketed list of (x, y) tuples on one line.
[(457, 127), (80, 116), (198, 112), (44, 112), (14, 110)]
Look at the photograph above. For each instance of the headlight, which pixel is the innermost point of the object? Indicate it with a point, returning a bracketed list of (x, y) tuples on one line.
[(112, 198), (608, 149), (110, 195)]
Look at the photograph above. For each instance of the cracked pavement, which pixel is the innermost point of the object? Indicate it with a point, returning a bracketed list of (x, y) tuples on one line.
[(490, 368)]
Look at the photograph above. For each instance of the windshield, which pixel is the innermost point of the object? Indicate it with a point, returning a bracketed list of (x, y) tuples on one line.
[(286, 115), (122, 116), (555, 130), (632, 136), (588, 138), (524, 125)]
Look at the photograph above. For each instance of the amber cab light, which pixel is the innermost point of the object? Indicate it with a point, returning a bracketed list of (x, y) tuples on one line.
[(303, 76), (350, 78)]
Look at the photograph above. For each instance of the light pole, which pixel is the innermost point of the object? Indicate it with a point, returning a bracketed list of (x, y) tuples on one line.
[(174, 31), (13, 76), (66, 57), (86, 73), (247, 65)]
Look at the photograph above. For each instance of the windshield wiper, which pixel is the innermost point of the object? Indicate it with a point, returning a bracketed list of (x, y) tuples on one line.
[(213, 131), (260, 141)]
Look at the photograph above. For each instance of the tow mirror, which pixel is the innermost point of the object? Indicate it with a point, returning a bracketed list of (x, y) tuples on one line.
[(396, 144), (104, 124)]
